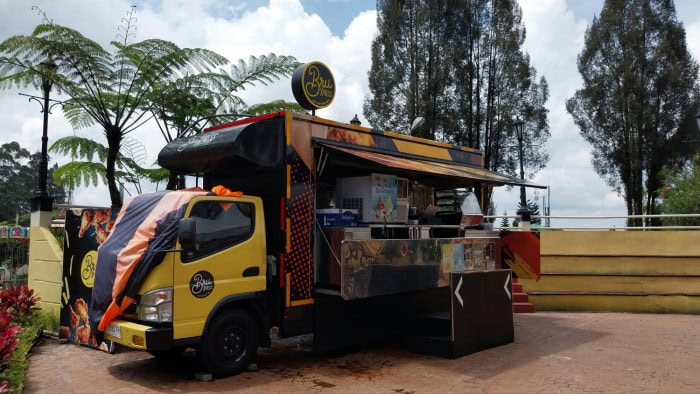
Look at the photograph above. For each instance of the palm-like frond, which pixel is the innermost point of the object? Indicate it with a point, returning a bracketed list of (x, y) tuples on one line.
[(78, 173), (87, 171), (76, 115), (80, 148), (182, 104), (263, 70), (154, 175)]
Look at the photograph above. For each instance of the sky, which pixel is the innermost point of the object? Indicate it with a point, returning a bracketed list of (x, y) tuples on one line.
[(339, 34)]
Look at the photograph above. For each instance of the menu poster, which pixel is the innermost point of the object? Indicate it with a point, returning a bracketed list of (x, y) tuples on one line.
[(458, 252), (478, 256), (468, 255), (489, 255), (447, 258), (384, 198)]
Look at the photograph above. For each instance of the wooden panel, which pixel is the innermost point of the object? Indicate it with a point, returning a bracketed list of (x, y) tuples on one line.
[(47, 271), (614, 284), (621, 243), (43, 245), (49, 292), (620, 265), (606, 303)]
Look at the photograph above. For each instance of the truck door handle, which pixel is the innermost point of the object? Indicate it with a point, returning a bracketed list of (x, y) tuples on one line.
[(251, 271)]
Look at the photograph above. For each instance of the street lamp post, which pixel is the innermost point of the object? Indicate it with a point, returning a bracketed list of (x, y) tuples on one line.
[(42, 202), (523, 210)]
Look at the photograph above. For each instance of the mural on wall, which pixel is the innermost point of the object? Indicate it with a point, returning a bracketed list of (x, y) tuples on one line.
[(86, 230), (380, 266), (521, 253)]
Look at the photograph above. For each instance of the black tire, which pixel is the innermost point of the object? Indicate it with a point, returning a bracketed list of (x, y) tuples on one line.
[(229, 344)]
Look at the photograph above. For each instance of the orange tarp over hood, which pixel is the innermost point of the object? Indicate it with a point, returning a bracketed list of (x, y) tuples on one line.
[(145, 227)]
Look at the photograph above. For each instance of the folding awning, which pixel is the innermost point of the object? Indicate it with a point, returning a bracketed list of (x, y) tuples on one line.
[(433, 168), (255, 144)]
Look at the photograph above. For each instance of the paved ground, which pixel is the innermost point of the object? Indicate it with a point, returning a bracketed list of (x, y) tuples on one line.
[(552, 352)]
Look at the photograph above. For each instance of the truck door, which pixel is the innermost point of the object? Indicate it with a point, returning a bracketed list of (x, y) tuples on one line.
[(229, 259)]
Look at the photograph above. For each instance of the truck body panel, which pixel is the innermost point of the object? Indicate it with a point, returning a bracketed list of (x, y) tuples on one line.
[(233, 263)]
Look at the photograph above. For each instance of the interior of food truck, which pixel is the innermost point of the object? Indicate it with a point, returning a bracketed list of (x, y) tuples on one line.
[(417, 202)]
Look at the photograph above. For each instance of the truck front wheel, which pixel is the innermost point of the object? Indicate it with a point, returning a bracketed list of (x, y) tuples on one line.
[(229, 344)]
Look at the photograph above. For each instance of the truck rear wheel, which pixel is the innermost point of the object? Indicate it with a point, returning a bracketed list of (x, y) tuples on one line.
[(229, 344)]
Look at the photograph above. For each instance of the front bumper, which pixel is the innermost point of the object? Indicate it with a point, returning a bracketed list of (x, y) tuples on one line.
[(139, 336)]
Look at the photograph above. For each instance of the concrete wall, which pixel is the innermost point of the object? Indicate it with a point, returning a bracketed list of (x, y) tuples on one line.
[(45, 268), (625, 271)]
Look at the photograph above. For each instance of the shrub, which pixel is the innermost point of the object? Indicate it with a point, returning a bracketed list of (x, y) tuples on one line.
[(8, 337), (19, 328), (16, 373), (19, 301)]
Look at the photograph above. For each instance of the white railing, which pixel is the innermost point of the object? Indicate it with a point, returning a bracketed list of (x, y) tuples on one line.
[(496, 220)]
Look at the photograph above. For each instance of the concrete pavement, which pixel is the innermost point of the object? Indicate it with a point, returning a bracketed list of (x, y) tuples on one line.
[(553, 352)]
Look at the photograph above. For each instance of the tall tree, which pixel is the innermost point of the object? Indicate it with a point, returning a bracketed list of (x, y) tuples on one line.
[(459, 64), (104, 88), (681, 194), (639, 86), (504, 220), (18, 180)]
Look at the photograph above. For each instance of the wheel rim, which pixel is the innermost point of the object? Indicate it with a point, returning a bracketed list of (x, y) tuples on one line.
[(233, 343)]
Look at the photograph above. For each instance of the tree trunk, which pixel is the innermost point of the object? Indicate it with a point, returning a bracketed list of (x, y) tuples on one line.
[(114, 139)]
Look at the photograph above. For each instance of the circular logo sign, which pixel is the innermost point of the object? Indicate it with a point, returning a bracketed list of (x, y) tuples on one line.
[(87, 268), (313, 85), (202, 284)]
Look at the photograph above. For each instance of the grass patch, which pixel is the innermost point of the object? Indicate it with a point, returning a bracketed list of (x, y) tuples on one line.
[(32, 326)]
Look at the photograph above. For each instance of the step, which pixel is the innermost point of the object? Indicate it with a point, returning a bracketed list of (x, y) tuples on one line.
[(433, 324), (523, 307), (521, 297), (517, 287)]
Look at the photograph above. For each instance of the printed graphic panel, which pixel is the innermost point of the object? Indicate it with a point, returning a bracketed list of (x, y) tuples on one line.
[(521, 252), (85, 230), (388, 266)]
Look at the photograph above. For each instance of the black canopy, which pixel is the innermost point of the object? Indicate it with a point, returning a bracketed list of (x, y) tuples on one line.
[(258, 144)]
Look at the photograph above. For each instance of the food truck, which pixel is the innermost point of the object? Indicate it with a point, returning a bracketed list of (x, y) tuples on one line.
[(305, 225)]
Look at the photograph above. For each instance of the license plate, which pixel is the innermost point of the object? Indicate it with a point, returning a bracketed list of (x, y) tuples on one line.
[(114, 330)]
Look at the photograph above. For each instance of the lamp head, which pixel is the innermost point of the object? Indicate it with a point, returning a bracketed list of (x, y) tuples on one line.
[(519, 126), (48, 67), (418, 122)]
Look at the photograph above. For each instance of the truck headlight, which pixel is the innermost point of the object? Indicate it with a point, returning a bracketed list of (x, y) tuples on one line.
[(156, 306)]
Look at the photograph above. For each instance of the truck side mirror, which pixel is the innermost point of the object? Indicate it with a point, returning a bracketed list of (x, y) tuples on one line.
[(187, 234)]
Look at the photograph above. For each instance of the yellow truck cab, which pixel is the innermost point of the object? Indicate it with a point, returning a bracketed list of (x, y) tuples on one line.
[(218, 262), (305, 225)]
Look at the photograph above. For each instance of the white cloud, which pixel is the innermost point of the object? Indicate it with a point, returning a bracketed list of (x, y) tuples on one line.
[(692, 33), (555, 36), (281, 27)]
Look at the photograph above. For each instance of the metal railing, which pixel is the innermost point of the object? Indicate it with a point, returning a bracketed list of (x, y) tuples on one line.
[(496, 220), (14, 260)]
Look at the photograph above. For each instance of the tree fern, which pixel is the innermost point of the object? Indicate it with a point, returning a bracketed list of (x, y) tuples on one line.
[(79, 173)]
